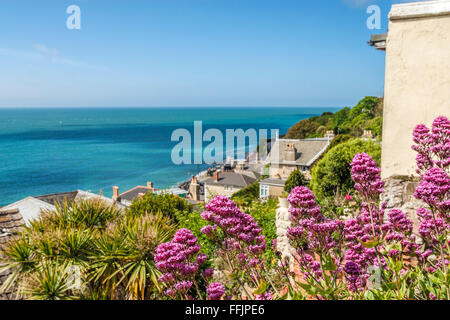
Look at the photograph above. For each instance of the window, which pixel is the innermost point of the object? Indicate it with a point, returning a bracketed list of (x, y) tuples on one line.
[(263, 191)]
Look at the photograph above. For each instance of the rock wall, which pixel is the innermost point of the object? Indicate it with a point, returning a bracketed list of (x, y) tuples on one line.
[(399, 194)]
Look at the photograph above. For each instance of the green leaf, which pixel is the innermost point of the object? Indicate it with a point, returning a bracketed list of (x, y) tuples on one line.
[(261, 288)]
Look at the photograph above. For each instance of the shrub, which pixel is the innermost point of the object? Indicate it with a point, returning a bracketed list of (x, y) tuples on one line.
[(247, 195), (296, 179), (166, 204), (332, 175)]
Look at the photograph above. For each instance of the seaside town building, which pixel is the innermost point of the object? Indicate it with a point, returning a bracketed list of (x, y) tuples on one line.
[(126, 198), (227, 183), (288, 155)]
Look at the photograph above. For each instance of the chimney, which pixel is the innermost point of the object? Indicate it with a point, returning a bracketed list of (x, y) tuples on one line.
[(367, 134), (216, 176), (115, 196), (290, 152), (194, 189), (329, 134), (149, 184)]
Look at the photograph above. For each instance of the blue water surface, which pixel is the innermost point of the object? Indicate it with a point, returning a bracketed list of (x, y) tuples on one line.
[(57, 150)]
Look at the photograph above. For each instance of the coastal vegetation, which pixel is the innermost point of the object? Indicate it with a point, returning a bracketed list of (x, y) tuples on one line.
[(296, 179), (88, 250), (331, 176), (366, 115)]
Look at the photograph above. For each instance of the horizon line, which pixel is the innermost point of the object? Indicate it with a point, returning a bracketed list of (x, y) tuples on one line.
[(156, 107)]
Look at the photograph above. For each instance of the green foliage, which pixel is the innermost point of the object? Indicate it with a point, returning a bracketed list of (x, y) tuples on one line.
[(79, 214), (167, 204), (109, 253), (332, 174), (247, 195), (264, 214), (296, 179), (191, 220), (366, 115), (302, 129)]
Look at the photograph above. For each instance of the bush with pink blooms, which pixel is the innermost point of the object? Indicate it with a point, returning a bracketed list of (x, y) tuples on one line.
[(372, 254)]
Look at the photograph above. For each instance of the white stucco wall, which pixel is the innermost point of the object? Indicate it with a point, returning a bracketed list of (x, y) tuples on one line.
[(417, 85)]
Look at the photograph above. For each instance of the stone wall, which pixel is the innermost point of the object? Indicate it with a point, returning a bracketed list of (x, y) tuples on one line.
[(399, 194)]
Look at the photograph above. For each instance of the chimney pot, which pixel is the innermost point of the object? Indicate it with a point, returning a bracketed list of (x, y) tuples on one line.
[(216, 176), (150, 185), (115, 193)]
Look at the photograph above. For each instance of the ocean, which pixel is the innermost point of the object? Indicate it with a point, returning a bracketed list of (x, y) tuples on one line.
[(54, 150)]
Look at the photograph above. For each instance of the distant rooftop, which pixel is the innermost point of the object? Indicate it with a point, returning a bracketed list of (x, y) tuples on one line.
[(231, 179), (307, 151), (133, 193)]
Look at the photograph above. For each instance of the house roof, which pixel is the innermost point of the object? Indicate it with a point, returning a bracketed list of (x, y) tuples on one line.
[(59, 198), (133, 193), (231, 179), (30, 208), (11, 223), (174, 191), (273, 182), (307, 151)]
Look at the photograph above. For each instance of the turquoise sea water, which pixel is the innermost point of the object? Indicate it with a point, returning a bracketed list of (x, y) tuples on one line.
[(56, 150)]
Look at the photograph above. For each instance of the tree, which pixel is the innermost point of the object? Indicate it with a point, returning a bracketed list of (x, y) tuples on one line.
[(302, 129), (332, 173), (296, 179), (167, 204)]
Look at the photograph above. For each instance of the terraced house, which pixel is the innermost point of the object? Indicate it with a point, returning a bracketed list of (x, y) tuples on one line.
[(288, 155)]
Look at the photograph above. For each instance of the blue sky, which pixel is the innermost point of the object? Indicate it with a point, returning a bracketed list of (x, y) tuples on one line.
[(189, 53)]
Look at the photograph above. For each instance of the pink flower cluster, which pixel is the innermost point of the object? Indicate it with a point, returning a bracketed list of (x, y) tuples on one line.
[(432, 146), (215, 291), (179, 261), (239, 229), (366, 175), (434, 189), (366, 232), (310, 230)]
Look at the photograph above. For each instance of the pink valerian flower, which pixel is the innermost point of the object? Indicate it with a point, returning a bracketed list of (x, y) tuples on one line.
[(432, 146), (309, 266), (434, 190), (303, 204), (179, 260), (215, 291), (348, 197), (355, 277), (310, 230), (241, 241), (235, 224), (366, 175), (209, 230), (264, 296)]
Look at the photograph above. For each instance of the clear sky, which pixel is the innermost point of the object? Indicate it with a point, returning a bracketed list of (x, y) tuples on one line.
[(189, 53)]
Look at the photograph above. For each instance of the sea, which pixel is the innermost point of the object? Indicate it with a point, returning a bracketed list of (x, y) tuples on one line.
[(52, 150)]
